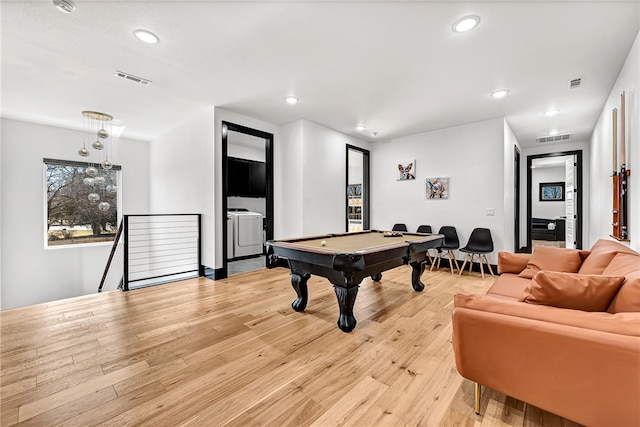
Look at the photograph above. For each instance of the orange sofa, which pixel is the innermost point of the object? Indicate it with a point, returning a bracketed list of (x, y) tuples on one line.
[(559, 329)]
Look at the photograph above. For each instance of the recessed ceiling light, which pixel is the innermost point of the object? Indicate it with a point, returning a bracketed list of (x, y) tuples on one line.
[(360, 128), (551, 113), (291, 100), (466, 23), (553, 132), (500, 93), (65, 6), (146, 36)]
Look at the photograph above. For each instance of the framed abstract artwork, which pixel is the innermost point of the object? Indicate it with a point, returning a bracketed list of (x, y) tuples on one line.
[(552, 192), (437, 188)]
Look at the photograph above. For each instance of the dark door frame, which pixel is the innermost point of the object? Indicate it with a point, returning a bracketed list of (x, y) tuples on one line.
[(268, 137), (577, 190), (365, 187), (516, 190)]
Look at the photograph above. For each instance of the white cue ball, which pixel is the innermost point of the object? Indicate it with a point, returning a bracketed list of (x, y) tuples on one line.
[(323, 243)]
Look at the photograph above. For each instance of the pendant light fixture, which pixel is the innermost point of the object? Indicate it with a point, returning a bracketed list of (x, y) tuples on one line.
[(97, 128)]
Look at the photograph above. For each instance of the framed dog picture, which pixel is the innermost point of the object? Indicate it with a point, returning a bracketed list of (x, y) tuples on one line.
[(437, 188), (406, 171)]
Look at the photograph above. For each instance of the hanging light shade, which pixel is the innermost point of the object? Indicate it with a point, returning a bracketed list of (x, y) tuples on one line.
[(99, 124)]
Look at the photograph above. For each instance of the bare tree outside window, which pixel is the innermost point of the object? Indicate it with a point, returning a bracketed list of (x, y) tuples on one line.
[(73, 218)]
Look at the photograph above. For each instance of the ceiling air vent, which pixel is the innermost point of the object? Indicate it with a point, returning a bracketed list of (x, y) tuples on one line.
[(132, 78), (575, 83), (555, 138)]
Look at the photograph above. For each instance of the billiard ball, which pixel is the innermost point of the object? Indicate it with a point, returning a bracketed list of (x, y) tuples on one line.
[(323, 243)]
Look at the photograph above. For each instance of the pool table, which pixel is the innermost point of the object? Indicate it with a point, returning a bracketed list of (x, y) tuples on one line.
[(346, 259)]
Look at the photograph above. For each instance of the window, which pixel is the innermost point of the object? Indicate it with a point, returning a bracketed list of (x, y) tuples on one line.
[(80, 208)]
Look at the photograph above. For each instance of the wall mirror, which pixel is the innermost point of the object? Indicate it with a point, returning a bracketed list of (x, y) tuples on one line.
[(357, 189)]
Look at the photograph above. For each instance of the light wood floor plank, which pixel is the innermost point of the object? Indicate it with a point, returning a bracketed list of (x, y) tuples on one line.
[(233, 352)]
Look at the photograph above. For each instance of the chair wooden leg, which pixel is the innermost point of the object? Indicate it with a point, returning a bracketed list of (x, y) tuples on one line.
[(455, 260), (488, 265), (466, 256), (436, 259), (471, 262), (450, 261), (481, 267), (477, 398), (429, 257)]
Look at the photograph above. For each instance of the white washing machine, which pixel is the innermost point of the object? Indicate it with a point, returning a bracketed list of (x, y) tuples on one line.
[(247, 233), (230, 232)]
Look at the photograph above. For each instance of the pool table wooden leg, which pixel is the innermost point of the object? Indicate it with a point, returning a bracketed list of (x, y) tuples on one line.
[(417, 268), (299, 283), (346, 300)]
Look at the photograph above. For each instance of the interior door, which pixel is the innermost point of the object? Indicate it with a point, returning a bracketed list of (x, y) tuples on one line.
[(570, 202), (357, 189)]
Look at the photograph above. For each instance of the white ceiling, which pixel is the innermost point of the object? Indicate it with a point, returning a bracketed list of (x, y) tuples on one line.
[(395, 66)]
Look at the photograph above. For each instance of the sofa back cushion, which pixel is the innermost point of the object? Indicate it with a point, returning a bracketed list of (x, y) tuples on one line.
[(628, 297), (553, 259), (572, 290), (601, 255)]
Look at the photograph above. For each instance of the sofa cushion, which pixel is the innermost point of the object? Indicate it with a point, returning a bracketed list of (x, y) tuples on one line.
[(628, 297), (509, 262), (572, 290), (602, 252), (553, 259), (508, 285), (620, 323)]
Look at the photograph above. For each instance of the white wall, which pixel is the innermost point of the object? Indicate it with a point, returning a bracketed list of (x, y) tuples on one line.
[(324, 179), (182, 178), (313, 160), (546, 209), (289, 167), (30, 273), (601, 147), (510, 142), (472, 156)]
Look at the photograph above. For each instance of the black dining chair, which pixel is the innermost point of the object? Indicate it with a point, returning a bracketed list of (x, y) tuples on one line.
[(426, 229), (399, 227), (449, 244), (480, 243)]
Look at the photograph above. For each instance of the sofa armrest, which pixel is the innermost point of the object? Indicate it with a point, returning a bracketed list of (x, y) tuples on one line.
[(509, 262), (586, 375)]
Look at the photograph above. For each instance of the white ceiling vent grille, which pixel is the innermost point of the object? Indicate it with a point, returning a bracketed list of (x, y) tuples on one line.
[(555, 138), (132, 78), (575, 83)]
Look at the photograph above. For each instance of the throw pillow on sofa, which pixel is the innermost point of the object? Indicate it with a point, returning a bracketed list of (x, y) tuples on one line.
[(628, 297), (553, 259), (572, 290)]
